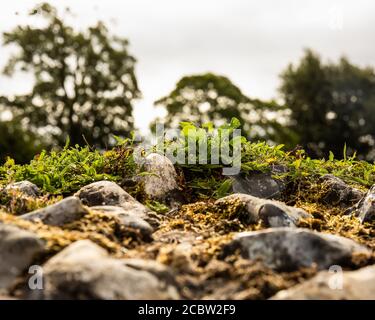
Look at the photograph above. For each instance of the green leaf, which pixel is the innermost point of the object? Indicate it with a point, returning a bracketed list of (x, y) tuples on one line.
[(224, 188), (235, 123), (331, 156)]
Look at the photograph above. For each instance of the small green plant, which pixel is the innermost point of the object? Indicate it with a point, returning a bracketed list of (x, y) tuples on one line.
[(65, 171), (60, 172), (156, 206)]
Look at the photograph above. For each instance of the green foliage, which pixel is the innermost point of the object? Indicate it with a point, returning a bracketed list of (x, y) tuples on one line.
[(211, 98), (62, 172), (331, 105), (84, 81), (18, 143), (224, 189), (207, 181), (156, 206)]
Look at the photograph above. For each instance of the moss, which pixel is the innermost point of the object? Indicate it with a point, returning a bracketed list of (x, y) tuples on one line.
[(58, 238), (108, 226), (204, 217), (156, 206), (333, 220), (200, 227), (17, 203)]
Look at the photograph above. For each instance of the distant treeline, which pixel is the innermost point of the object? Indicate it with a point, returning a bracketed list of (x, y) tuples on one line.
[(85, 87)]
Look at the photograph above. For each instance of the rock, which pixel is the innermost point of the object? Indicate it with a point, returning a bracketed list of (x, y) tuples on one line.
[(65, 211), (337, 192), (107, 193), (159, 270), (365, 208), (273, 213), (127, 219), (103, 193), (349, 285), (162, 179), (85, 271), (292, 248), (25, 187), (19, 197), (18, 249), (259, 184), (277, 214)]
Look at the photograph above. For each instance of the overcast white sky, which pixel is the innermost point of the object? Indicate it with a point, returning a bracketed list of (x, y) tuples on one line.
[(248, 41)]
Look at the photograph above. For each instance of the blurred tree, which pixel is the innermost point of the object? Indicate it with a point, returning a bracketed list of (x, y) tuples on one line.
[(214, 98), (17, 143), (331, 105), (84, 81)]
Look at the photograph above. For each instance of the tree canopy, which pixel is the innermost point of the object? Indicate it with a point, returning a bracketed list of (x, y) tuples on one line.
[(85, 85), (85, 82), (332, 105), (214, 98), (18, 143)]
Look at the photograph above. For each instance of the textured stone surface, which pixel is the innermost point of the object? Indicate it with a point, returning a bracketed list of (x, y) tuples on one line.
[(273, 213), (365, 208), (162, 180), (337, 192), (292, 248), (259, 184), (25, 187), (65, 211), (126, 218), (106, 193), (18, 249), (85, 271), (103, 193), (349, 285)]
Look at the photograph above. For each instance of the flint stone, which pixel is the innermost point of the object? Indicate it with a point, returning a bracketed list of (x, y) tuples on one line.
[(273, 213), (107, 193), (259, 184), (338, 192), (127, 219), (25, 187), (292, 248), (365, 208), (348, 285), (18, 249), (85, 271), (162, 179), (65, 211)]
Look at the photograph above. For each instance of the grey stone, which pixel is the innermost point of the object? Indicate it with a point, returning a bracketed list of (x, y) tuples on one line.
[(292, 248), (277, 214), (107, 193), (103, 193), (65, 211), (259, 184), (162, 178), (85, 271), (159, 270), (25, 187), (338, 192), (365, 208), (273, 213), (18, 249), (327, 285), (127, 218)]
